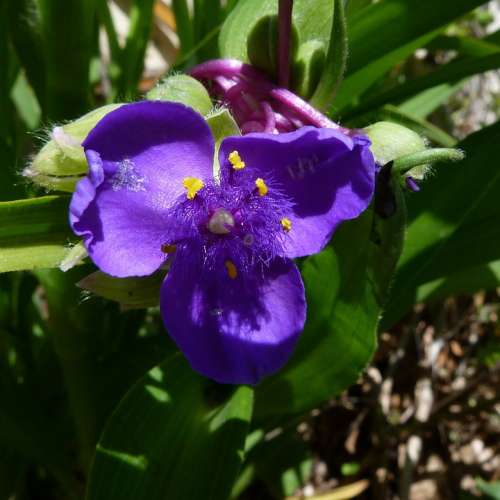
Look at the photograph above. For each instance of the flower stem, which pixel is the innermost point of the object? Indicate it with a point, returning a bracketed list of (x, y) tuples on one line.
[(284, 32)]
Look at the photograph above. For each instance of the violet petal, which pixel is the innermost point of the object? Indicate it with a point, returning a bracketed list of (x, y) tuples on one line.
[(328, 176), (138, 157), (233, 330)]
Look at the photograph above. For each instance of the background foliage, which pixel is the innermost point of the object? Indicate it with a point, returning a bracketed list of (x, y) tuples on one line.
[(96, 401)]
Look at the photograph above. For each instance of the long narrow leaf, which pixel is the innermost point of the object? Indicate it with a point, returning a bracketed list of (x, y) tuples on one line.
[(25, 32), (34, 233), (385, 26), (449, 73), (141, 16), (336, 60), (184, 25), (67, 47)]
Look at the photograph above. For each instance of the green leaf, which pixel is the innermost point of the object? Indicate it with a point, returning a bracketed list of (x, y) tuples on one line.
[(491, 490), (207, 18), (184, 25), (357, 83), (312, 21), (34, 233), (27, 40), (26, 102), (132, 58), (386, 26), (453, 222), (385, 33), (467, 281), (312, 18), (449, 73), (335, 62), (99, 359), (67, 50), (465, 45), (346, 287), (164, 431), (424, 103)]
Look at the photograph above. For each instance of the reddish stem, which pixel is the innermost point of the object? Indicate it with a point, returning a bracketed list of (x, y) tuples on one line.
[(284, 34)]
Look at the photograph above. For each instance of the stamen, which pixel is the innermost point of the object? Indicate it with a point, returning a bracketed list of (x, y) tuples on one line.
[(192, 185), (231, 269), (221, 222), (286, 224), (261, 186), (236, 161), (166, 248)]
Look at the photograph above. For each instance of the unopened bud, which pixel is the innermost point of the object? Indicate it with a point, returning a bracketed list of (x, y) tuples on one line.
[(390, 141), (184, 89), (61, 162)]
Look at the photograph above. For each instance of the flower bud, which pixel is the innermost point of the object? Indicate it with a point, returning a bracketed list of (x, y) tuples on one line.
[(184, 89), (61, 162), (391, 141)]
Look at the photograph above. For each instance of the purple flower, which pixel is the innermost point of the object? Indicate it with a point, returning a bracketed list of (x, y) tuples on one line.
[(233, 299)]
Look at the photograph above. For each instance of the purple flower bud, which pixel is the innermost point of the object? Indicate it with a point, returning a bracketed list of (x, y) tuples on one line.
[(411, 184), (257, 104)]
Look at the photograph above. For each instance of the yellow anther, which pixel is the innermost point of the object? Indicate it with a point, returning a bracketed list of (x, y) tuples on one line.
[(286, 224), (231, 269), (235, 160), (192, 185), (261, 186), (166, 248)]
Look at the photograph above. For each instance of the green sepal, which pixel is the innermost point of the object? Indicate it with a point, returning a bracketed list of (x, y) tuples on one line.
[(391, 141), (184, 89), (61, 161), (412, 163), (222, 125), (131, 293)]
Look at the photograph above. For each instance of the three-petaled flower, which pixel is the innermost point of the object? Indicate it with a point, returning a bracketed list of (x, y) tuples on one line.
[(233, 299)]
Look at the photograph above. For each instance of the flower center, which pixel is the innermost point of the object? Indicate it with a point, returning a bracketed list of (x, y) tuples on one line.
[(221, 222)]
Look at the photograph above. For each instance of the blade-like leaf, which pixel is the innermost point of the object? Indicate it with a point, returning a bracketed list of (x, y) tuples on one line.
[(385, 26), (449, 73), (132, 59), (385, 33), (164, 431), (27, 40), (470, 280), (423, 104), (336, 60), (34, 233), (67, 50), (184, 25)]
